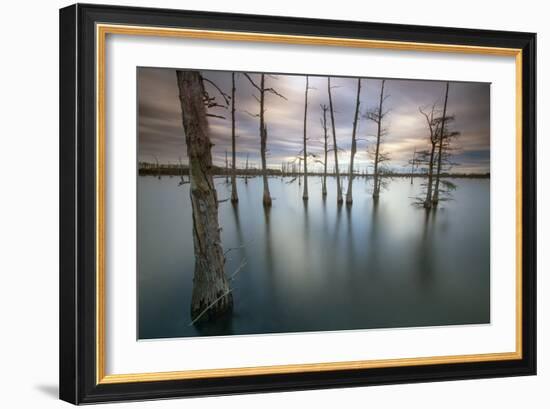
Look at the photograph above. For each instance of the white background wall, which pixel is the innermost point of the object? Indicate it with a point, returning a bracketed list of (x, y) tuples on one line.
[(29, 203)]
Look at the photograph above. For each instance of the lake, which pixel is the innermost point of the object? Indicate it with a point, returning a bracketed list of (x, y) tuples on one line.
[(318, 266)]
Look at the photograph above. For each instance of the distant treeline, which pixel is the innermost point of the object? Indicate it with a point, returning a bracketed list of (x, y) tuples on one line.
[(151, 169)]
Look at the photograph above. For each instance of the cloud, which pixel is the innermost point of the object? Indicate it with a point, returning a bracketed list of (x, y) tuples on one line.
[(161, 133)]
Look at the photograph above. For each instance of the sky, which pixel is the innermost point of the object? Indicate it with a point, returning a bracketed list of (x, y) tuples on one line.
[(161, 134)]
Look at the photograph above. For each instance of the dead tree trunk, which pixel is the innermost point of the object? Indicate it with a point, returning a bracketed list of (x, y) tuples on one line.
[(349, 194), (335, 147), (263, 143), (435, 198), (432, 123), (376, 191), (234, 195), (267, 195), (211, 292), (325, 138), (428, 201), (263, 131), (305, 195)]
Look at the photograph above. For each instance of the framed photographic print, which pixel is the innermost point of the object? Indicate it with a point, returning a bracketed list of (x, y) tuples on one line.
[(257, 203)]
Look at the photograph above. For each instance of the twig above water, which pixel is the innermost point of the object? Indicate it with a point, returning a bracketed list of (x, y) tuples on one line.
[(233, 248), (238, 270)]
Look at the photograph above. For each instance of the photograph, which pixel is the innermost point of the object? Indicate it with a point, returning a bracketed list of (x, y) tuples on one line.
[(260, 203), (272, 203)]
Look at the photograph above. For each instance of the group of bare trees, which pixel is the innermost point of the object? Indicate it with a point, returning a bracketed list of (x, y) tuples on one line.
[(212, 294), (437, 158), (378, 155)]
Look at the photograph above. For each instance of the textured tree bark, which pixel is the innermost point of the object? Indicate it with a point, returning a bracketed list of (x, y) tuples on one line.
[(349, 193), (376, 191), (305, 195), (234, 195), (211, 289), (435, 198), (335, 147)]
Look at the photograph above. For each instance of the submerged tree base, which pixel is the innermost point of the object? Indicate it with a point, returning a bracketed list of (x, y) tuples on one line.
[(210, 306)]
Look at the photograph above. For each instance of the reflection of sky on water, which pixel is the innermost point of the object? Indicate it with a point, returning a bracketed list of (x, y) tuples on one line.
[(318, 266)]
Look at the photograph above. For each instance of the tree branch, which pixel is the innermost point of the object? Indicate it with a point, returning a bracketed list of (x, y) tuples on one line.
[(252, 82), (225, 96)]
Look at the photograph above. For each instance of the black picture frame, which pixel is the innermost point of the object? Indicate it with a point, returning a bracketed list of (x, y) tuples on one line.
[(78, 360)]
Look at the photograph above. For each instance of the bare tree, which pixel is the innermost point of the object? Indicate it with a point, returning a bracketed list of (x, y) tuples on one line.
[(377, 116), (305, 195), (261, 88), (442, 136), (234, 195), (349, 194), (438, 157), (433, 124), (324, 108), (211, 292), (335, 145)]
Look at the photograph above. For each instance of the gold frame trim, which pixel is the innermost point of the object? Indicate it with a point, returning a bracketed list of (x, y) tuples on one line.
[(102, 30)]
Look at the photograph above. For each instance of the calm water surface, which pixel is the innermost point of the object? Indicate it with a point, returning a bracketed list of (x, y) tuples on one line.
[(318, 267)]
